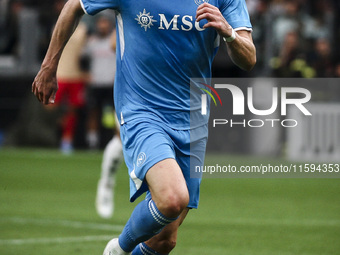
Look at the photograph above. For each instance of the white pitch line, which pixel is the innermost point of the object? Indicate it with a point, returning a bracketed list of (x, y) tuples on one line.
[(64, 223), (119, 228), (57, 240)]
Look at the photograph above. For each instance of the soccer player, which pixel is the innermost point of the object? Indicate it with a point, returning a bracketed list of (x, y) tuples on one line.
[(161, 45)]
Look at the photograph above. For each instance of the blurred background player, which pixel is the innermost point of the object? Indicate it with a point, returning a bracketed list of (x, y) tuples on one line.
[(71, 82), (100, 50)]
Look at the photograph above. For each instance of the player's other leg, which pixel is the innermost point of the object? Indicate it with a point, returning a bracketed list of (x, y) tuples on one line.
[(169, 197), (112, 158)]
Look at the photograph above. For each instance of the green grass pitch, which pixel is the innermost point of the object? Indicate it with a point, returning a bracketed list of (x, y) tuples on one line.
[(47, 207)]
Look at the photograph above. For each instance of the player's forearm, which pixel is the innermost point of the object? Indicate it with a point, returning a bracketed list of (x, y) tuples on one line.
[(66, 24), (241, 49), (243, 53)]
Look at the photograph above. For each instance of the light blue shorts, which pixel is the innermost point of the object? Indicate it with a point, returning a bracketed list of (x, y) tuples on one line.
[(147, 142)]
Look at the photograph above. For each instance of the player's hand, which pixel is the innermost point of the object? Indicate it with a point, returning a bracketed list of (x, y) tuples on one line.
[(215, 19), (45, 86)]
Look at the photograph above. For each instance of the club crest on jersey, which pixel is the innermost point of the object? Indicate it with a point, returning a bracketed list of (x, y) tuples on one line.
[(145, 19), (199, 2), (141, 159)]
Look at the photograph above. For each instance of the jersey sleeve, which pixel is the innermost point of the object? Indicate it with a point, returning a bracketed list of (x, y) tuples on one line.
[(92, 7), (236, 13)]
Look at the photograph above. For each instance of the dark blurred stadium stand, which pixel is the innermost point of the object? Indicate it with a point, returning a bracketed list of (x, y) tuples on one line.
[(294, 38)]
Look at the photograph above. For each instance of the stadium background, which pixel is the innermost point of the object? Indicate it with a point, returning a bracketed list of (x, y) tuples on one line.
[(47, 199)]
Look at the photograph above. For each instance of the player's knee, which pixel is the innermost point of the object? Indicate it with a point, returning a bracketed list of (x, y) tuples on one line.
[(174, 203)]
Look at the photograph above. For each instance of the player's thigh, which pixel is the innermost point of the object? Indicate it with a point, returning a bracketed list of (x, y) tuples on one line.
[(168, 187)]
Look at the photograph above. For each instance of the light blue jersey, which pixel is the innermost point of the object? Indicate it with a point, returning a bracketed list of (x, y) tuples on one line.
[(160, 47)]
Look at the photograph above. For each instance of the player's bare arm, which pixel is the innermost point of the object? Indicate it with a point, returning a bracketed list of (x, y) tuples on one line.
[(241, 50), (45, 85)]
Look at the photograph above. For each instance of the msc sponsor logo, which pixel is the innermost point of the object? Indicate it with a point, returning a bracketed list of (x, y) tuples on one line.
[(145, 19), (176, 22)]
